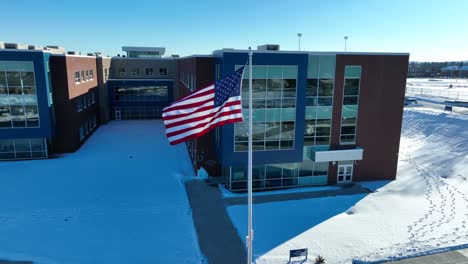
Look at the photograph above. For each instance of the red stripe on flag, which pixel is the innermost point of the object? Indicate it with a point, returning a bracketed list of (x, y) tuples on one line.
[(172, 117), (199, 125), (201, 133)]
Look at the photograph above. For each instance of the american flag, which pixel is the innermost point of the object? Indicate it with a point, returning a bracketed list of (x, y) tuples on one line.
[(205, 109)]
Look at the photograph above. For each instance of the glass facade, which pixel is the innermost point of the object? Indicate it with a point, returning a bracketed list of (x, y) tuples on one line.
[(274, 108), (18, 97), (137, 112), (274, 92), (25, 148), (319, 100), (141, 93), (274, 176), (350, 104)]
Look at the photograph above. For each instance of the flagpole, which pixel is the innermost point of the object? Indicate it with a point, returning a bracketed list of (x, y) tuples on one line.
[(249, 169)]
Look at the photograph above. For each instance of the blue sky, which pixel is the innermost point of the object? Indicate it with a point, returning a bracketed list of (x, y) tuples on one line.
[(428, 30)]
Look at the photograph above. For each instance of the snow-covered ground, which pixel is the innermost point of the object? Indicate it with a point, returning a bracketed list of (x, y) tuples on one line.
[(425, 209), (443, 88), (119, 199)]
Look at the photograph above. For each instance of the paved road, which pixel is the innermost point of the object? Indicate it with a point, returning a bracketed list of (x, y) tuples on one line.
[(451, 257)]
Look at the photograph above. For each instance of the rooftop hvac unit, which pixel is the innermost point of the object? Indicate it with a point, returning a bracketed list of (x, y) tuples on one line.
[(271, 47)]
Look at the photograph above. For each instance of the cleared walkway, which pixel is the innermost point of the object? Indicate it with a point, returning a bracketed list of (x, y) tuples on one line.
[(217, 236), (345, 190), (451, 257)]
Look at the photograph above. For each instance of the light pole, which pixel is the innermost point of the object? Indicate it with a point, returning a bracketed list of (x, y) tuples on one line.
[(299, 35), (345, 39)]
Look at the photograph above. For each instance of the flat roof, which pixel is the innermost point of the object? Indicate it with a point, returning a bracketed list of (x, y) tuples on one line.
[(136, 48), (311, 52)]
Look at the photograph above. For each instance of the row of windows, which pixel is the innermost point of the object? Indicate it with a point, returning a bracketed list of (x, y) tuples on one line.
[(278, 175), (141, 93), (188, 79), (18, 95), (274, 102), (12, 149), (350, 105), (84, 101), (135, 71), (84, 76), (88, 126), (137, 113)]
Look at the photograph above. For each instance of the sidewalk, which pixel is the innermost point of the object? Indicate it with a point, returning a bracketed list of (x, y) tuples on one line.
[(217, 236), (451, 257), (345, 190)]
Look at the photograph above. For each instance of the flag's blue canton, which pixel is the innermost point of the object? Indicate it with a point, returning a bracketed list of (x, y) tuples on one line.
[(228, 87)]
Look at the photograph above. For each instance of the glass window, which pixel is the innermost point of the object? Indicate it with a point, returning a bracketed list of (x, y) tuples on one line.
[(326, 87), (27, 78), (351, 87), (162, 71), (306, 168), (273, 171), (312, 85), (13, 78), (135, 71), (87, 75), (82, 76), (18, 116), (275, 72), (5, 116), (3, 80), (91, 74), (77, 77), (320, 168), (289, 88), (149, 71), (327, 66), (274, 88), (350, 104), (122, 71), (274, 101), (32, 116), (258, 88)]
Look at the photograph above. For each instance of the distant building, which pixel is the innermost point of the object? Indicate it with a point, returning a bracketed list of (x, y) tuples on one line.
[(144, 52), (140, 87)]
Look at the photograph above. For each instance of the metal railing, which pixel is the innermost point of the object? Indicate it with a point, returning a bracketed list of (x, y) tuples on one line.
[(456, 95)]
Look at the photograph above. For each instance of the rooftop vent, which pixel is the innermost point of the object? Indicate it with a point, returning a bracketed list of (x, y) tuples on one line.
[(71, 52), (175, 56), (35, 47), (15, 46), (272, 47), (90, 54)]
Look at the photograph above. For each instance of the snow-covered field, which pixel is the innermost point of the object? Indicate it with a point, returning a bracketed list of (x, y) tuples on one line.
[(119, 199), (444, 88), (425, 209)]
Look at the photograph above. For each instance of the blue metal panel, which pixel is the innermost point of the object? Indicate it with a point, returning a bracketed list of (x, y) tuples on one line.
[(40, 60), (112, 84), (227, 155)]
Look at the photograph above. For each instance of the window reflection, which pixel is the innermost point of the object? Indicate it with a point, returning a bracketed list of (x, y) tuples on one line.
[(18, 97)]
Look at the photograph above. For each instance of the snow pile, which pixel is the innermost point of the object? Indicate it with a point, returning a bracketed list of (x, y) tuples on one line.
[(119, 199), (202, 174), (425, 209)]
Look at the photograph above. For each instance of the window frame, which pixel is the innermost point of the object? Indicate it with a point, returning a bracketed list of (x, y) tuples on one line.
[(357, 105)]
